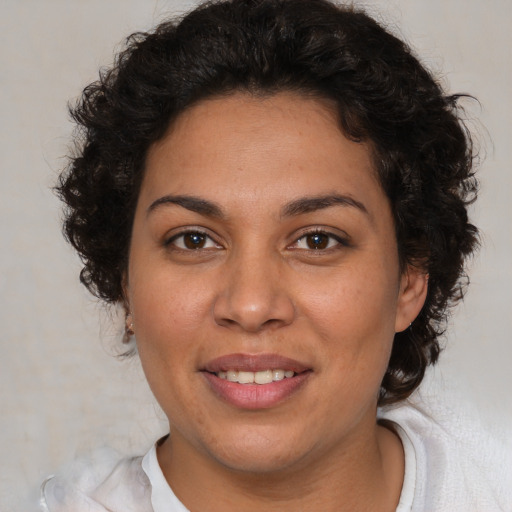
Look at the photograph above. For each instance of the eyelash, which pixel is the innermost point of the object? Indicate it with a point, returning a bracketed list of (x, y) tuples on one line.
[(339, 241), (171, 242)]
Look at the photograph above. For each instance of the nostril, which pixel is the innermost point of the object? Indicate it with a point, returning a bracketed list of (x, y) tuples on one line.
[(252, 301), (252, 319)]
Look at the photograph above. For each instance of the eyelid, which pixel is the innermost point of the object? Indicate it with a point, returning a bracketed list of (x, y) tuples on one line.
[(180, 232), (342, 238)]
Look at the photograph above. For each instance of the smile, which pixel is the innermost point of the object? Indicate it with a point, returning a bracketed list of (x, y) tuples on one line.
[(260, 377), (255, 381)]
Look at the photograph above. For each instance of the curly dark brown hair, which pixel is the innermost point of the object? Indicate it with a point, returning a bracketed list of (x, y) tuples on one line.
[(384, 95)]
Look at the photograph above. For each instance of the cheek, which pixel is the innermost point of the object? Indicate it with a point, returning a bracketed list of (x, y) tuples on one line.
[(164, 302), (354, 316), (351, 300), (169, 318), (168, 330)]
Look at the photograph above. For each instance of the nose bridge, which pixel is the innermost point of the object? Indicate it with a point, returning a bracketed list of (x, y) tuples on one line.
[(253, 295)]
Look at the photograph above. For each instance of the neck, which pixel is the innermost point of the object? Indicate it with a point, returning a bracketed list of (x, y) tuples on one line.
[(366, 473)]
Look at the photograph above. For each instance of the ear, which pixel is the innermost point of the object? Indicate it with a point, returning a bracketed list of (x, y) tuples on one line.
[(124, 300), (413, 292)]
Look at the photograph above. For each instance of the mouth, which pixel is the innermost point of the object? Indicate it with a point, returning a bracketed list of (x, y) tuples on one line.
[(261, 377), (258, 381)]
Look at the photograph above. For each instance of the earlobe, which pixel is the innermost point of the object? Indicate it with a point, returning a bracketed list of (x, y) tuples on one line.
[(413, 292), (129, 327)]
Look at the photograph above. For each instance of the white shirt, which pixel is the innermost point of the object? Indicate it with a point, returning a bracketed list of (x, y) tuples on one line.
[(450, 466)]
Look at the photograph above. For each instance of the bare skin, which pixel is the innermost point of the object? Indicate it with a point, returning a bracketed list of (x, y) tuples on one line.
[(262, 239), (364, 481)]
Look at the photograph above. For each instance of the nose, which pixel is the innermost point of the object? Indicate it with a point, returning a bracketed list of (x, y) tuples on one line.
[(253, 296)]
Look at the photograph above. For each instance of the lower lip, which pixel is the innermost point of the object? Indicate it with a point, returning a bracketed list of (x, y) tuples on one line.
[(256, 396)]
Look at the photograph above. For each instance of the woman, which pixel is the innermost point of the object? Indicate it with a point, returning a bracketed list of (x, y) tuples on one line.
[(276, 193)]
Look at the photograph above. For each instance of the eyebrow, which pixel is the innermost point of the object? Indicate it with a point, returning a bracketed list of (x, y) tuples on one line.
[(311, 204), (296, 207), (194, 204)]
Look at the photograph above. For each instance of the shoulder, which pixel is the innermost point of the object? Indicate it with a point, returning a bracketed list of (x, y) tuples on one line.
[(459, 465), (101, 483)]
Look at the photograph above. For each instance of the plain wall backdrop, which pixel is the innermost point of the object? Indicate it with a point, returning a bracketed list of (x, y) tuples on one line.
[(61, 390)]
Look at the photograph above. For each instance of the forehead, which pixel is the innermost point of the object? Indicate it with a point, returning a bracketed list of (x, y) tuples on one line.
[(256, 149)]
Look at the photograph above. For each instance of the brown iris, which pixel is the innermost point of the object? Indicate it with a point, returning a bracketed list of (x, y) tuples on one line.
[(317, 241), (194, 240)]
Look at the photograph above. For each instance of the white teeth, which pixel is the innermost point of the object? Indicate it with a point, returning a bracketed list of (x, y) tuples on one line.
[(245, 377), (264, 377), (278, 375), (261, 377), (232, 376)]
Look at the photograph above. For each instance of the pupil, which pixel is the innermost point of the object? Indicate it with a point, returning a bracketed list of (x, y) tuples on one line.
[(317, 241), (194, 240)]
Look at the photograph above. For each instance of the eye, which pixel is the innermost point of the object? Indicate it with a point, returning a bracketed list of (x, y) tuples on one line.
[(318, 240), (192, 241)]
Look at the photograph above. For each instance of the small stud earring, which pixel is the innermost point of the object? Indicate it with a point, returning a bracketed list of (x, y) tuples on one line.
[(129, 328)]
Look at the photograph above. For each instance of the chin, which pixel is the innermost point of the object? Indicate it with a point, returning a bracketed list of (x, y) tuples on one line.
[(258, 454), (260, 464)]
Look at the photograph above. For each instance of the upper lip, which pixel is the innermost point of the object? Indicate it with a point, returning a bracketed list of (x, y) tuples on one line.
[(254, 363)]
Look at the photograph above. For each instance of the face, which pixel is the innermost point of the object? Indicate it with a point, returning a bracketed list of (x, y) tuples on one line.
[(264, 282)]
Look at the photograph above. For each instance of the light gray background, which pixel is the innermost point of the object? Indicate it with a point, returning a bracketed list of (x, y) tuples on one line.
[(61, 391)]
